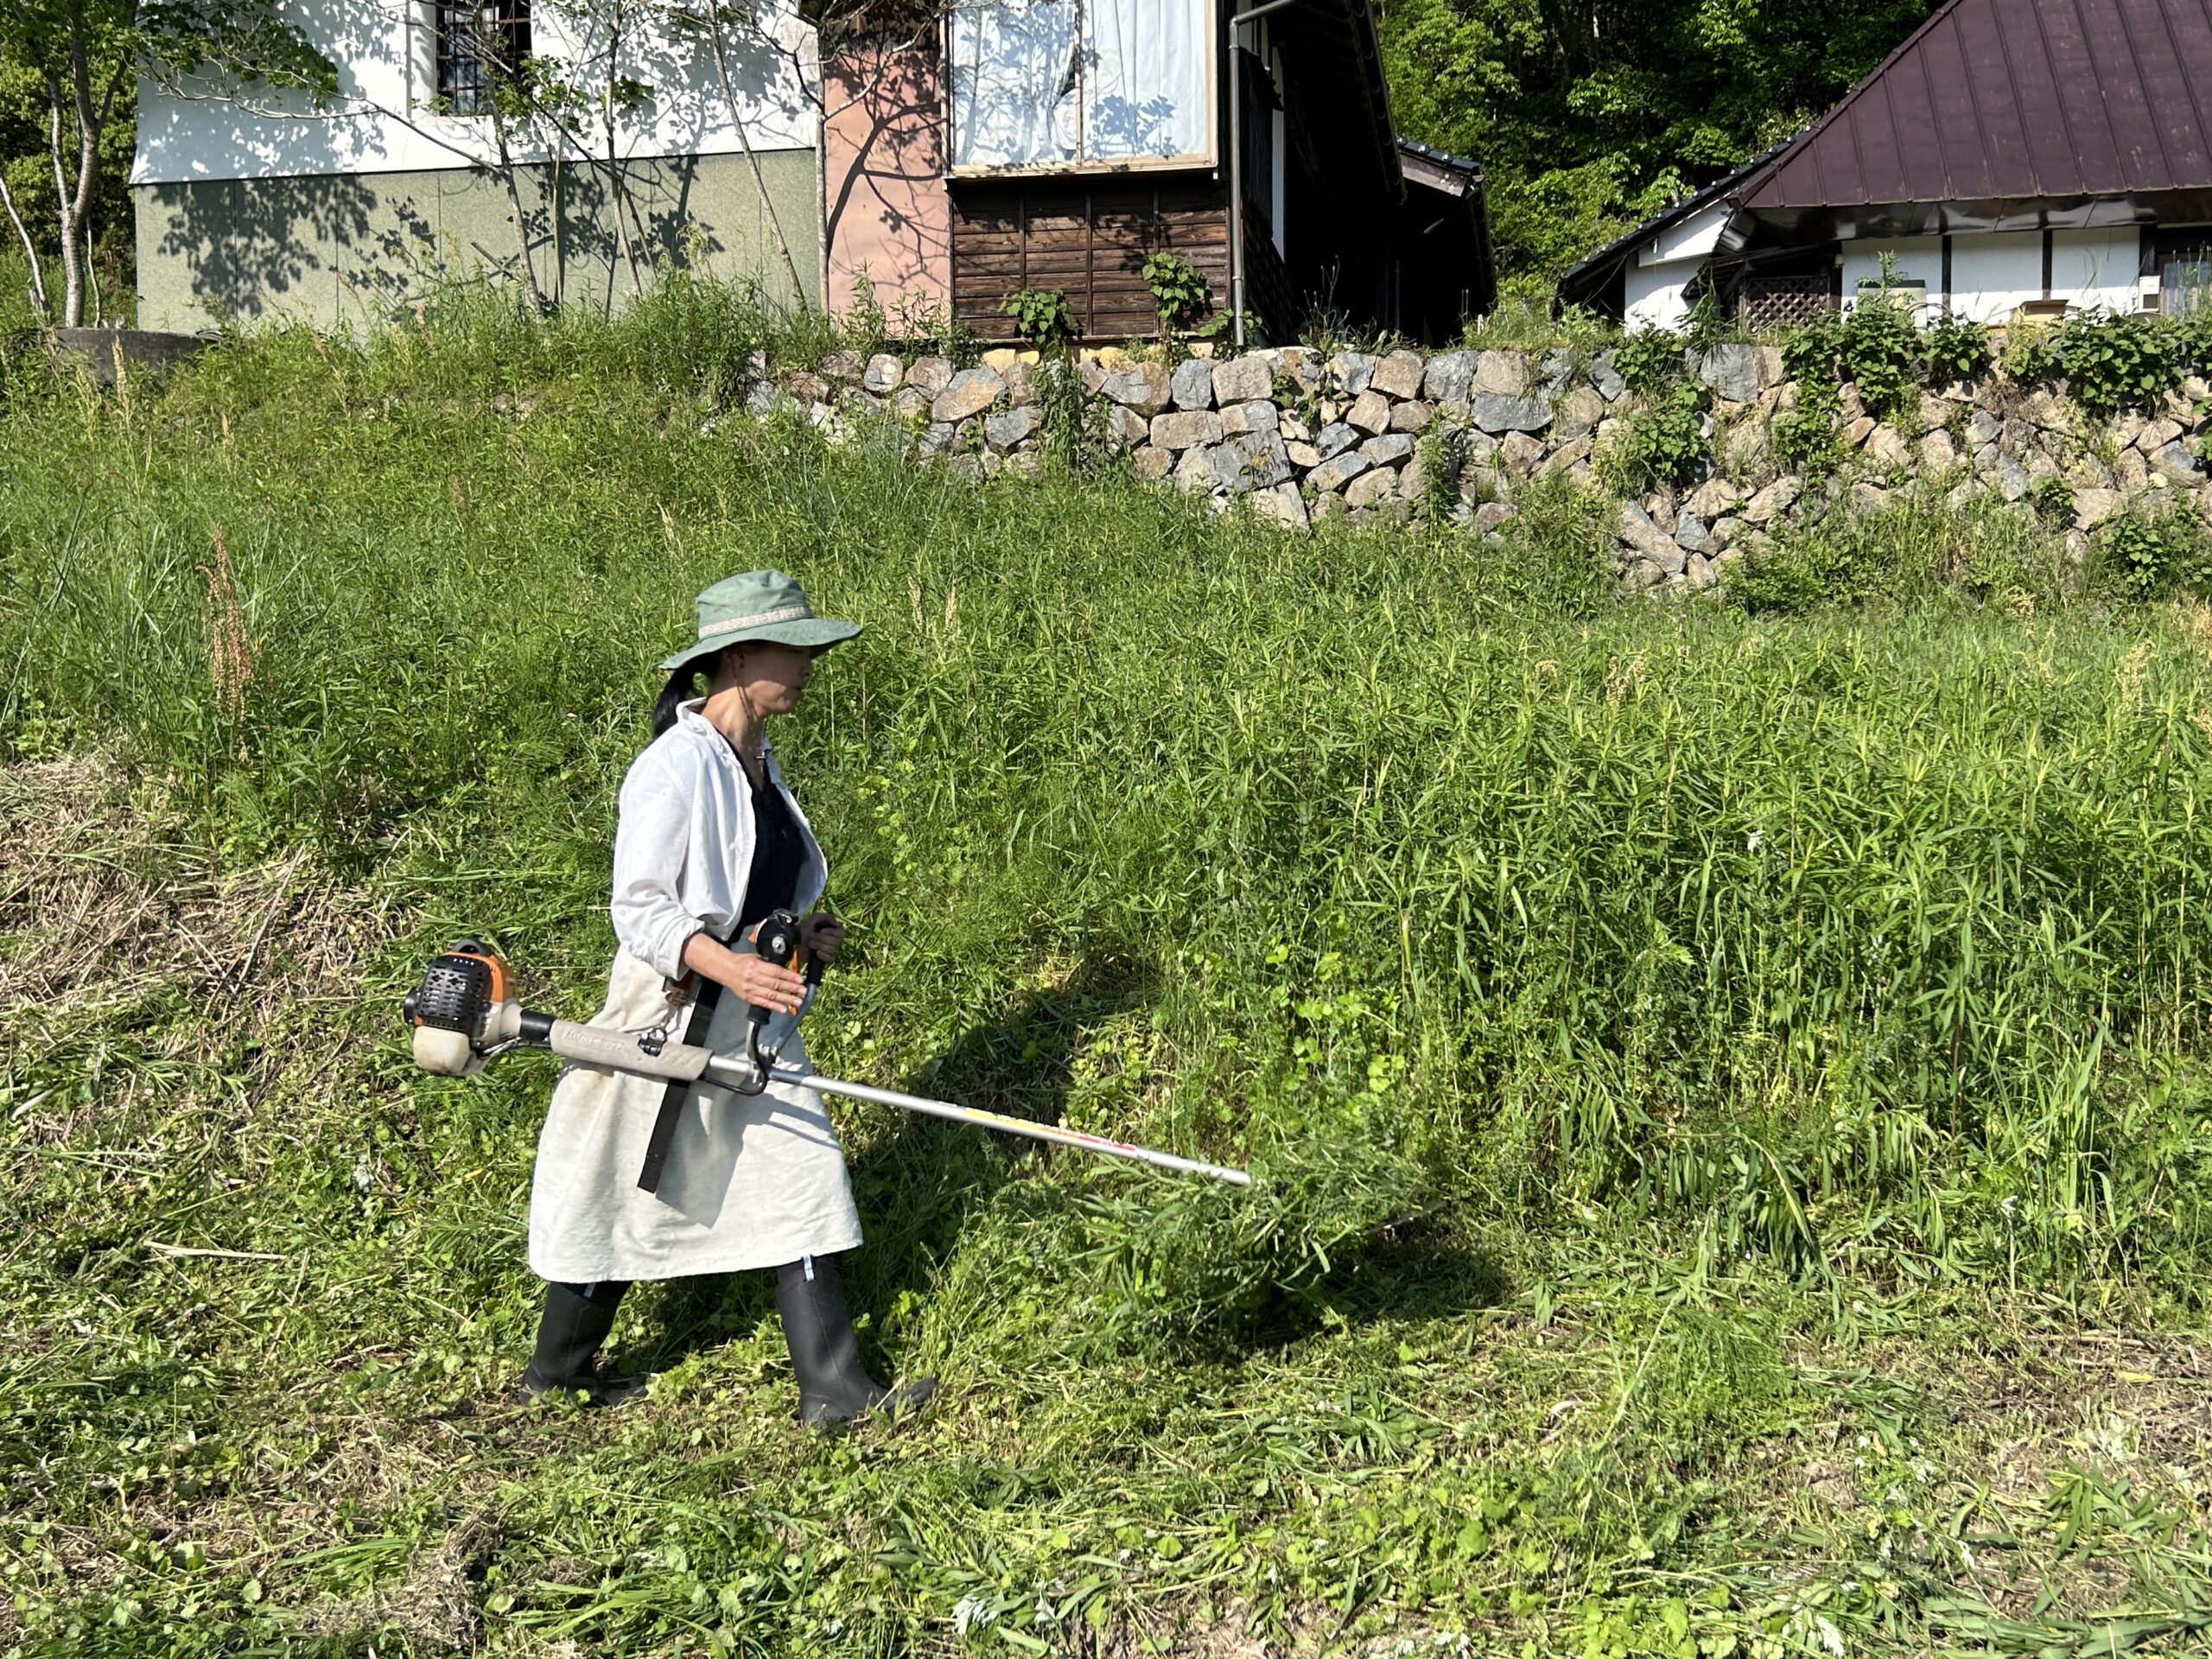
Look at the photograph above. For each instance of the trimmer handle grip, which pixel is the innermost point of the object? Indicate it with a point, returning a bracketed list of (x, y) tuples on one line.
[(778, 940)]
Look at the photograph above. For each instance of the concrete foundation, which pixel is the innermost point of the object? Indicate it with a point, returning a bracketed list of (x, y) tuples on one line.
[(340, 251)]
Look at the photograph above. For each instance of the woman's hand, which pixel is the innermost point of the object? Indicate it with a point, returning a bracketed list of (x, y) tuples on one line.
[(823, 933), (767, 984), (759, 982)]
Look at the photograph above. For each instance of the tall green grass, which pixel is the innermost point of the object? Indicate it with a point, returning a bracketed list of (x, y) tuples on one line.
[(16, 310), (1858, 950), (1670, 906)]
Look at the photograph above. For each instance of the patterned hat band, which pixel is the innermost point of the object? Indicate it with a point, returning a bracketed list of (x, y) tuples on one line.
[(732, 625)]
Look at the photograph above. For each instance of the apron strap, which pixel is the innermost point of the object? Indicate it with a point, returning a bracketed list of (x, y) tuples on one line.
[(672, 1098)]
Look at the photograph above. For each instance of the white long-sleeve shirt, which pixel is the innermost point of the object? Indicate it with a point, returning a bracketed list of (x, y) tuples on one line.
[(683, 844)]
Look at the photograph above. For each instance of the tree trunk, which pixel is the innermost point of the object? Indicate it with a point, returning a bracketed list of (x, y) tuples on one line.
[(560, 243), (759, 179), (74, 205), (598, 166), (821, 171), (621, 204), (616, 178), (73, 276), (514, 205)]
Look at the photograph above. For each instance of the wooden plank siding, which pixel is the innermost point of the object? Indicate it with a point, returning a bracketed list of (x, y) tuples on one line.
[(1087, 238)]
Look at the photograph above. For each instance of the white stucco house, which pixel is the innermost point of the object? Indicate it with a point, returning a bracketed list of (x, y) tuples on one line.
[(264, 204)]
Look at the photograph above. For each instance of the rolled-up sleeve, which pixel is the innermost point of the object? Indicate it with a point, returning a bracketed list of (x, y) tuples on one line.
[(651, 841)]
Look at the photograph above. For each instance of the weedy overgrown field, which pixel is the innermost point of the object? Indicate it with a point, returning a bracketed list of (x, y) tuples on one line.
[(1728, 1087)]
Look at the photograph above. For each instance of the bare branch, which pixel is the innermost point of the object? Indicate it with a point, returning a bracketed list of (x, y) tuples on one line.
[(759, 178), (30, 249)]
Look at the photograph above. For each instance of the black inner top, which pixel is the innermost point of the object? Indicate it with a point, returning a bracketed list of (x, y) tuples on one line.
[(778, 855)]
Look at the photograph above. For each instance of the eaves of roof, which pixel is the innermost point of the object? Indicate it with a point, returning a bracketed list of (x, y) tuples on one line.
[(1583, 278), (1438, 169)]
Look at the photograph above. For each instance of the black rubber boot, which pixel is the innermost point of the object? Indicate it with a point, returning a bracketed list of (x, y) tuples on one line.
[(832, 1386), (577, 1318)]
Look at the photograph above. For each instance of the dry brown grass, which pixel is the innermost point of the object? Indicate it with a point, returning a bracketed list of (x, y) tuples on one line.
[(233, 660), (106, 901)]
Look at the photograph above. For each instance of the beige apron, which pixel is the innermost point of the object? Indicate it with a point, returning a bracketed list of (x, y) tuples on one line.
[(749, 1183)]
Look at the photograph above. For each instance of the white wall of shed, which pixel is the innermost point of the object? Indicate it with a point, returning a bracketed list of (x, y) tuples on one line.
[(1652, 296), (379, 121), (1993, 273), (2097, 268), (1653, 283), (1918, 259), (1687, 239)]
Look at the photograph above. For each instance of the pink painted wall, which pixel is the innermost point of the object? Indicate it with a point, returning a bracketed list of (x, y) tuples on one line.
[(883, 153)]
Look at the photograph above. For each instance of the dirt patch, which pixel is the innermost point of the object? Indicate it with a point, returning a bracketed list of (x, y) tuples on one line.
[(2124, 1405)]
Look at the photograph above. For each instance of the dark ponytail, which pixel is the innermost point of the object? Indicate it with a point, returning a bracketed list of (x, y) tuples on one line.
[(682, 687), (673, 696)]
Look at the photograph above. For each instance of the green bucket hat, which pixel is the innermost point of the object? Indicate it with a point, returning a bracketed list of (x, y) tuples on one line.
[(758, 604)]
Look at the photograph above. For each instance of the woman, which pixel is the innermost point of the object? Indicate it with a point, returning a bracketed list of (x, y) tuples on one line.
[(709, 842)]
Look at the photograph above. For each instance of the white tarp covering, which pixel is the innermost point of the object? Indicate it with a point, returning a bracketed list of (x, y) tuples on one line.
[(1014, 75), (1038, 82), (1145, 81)]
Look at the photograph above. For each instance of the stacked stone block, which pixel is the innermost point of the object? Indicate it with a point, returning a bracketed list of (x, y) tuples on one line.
[(1306, 435)]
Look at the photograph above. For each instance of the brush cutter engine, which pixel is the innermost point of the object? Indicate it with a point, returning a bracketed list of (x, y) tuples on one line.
[(463, 1011)]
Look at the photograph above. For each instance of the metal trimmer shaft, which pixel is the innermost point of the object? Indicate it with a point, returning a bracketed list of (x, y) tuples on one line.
[(618, 1050), (1051, 1131), (463, 1013)]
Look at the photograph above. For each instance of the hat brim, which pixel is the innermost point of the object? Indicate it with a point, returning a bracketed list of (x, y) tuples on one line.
[(807, 632)]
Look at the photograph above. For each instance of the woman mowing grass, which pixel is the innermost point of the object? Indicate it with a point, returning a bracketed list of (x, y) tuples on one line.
[(709, 842)]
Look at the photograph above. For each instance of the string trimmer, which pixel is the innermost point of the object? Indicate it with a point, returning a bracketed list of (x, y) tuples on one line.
[(464, 1012)]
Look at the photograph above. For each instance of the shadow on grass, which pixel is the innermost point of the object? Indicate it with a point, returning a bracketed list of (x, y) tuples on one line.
[(920, 1184), (917, 1186), (1406, 1274), (1396, 1274)]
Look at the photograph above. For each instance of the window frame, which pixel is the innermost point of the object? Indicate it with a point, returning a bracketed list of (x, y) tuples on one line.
[(1208, 159), (510, 26)]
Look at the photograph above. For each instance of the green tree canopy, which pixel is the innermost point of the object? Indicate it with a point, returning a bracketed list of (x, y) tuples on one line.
[(68, 70), (1589, 114)]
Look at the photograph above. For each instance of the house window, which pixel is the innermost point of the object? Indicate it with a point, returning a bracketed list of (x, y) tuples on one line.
[(478, 44), (1040, 82), (2184, 278)]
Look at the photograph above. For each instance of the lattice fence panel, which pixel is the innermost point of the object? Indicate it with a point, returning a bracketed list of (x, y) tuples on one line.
[(1768, 303)]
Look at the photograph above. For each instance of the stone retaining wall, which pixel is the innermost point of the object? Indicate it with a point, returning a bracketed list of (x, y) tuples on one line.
[(1305, 436)]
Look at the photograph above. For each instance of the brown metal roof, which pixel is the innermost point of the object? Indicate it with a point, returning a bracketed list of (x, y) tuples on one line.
[(1996, 100)]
